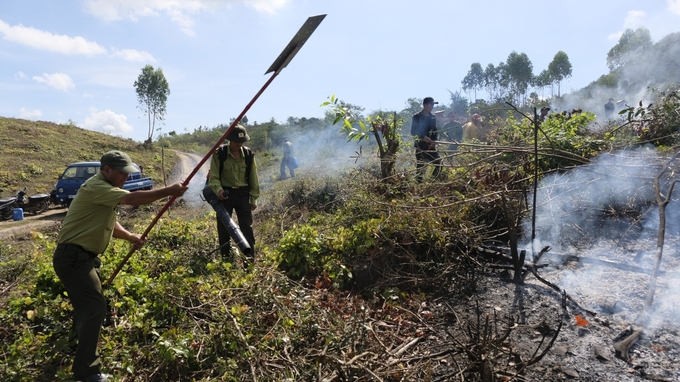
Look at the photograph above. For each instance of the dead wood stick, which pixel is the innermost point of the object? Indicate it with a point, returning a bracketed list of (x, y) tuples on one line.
[(512, 267), (354, 359), (394, 359), (558, 289), (372, 373), (370, 327), (624, 345), (662, 201), (498, 254), (623, 267), (406, 347), (433, 355)]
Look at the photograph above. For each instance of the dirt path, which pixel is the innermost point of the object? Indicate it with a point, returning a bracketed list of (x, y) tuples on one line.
[(187, 162), (52, 217), (48, 219)]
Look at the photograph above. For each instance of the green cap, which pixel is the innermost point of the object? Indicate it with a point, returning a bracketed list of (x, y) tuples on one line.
[(238, 134), (118, 160)]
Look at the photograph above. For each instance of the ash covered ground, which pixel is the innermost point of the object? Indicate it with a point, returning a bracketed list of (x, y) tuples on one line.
[(602, 222), (586, 352)]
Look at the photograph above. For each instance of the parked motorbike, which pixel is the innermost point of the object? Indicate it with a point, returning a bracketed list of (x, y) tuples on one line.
[(35, 204)]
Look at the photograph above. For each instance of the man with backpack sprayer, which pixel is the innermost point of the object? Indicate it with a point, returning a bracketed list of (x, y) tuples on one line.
[(233, 178)]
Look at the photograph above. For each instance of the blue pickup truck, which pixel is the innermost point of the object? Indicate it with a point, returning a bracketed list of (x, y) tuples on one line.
[(77, 173)]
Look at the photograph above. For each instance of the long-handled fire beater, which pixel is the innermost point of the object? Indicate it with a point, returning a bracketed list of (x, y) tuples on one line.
[(281, 62)]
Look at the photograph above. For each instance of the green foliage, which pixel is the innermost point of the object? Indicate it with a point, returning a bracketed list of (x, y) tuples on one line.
[(459, 104), (34, 169), (520, 73), (299, 250), (164, 291), (474, 80), (559, 68), (631, 44), (658, 122), (357, 129), (558, 131), (610, 80)]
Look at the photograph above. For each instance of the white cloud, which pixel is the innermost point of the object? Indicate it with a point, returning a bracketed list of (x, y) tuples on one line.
[(134, 55), (267, 6), (59, 81), (107, 121), (29, 114), (634, 19), (179, 11), (19, 75), (63, 44), (674, 6), (42, 40)]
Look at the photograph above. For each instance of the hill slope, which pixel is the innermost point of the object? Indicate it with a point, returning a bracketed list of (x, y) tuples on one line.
[(34, 154)]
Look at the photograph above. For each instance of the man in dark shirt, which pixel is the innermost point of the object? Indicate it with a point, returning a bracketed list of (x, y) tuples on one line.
[(609, 109), (424, 131), (544, 114)]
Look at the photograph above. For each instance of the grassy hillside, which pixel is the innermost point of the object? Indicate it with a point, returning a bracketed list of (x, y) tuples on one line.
[(34, 154)]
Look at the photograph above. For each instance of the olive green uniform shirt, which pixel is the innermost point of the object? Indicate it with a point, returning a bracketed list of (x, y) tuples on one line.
[(92, 215), (233, 175)]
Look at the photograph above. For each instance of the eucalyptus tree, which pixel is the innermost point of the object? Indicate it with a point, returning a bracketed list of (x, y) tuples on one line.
[(543, 80), (559, 69), (152, 94), (491, 80), (496, 81), (503, 75), (474, 79), (520, 74)]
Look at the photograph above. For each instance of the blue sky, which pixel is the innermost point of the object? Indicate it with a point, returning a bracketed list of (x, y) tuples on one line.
[(78, 60)]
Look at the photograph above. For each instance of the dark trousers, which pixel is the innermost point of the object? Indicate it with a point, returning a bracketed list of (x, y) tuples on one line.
[(424, 156), (75, 269), (238, 200), (287, 162)]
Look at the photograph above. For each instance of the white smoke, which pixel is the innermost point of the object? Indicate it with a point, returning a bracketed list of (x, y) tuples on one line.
[(607, 211)]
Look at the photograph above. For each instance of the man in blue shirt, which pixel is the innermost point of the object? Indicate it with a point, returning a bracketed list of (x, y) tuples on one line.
[(424, 131)]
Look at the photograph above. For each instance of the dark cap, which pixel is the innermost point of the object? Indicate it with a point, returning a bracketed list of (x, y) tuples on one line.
[(429, 100), (238, 134), (118, 160)]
